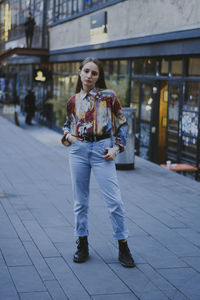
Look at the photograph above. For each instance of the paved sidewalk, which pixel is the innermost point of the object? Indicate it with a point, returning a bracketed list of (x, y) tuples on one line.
[(36, 228)]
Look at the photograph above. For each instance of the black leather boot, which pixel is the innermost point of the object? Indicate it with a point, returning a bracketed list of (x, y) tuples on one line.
[(125, 256), (82, 253)]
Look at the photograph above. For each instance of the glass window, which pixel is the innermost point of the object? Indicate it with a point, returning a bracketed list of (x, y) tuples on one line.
[(173, 122), (75, 67), (114, 67), (50, 12), (164, 69), (192, 94), (176, 67), (123, 65), (194, 67), (150, 66), (189, 149), (137, 66), (106, 65), (135, 95)]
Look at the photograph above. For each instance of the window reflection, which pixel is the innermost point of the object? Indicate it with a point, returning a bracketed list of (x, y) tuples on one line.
[(164, 67), (176, 67), (194, 67), (192, 94), (137, 66), (150, 66)]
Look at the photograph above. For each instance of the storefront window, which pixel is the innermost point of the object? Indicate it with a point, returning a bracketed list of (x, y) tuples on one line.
[(114, 67), (135, 95), (137, 66), (189, 121), (75, 67), (106, 65), (164, 68), (192, 94), (176, 67), (173, 122), (123, 64), (194, 67), (150, 66)]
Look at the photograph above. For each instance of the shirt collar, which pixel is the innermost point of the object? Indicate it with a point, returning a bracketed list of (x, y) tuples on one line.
[(83, 94)]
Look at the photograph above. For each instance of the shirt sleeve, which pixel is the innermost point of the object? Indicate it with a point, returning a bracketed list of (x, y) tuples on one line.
[(69, 109), (67, 124), (120, 124)]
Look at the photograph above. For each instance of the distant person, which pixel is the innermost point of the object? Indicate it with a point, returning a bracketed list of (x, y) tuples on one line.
[(30, 106), (29, 30), (94, 114)]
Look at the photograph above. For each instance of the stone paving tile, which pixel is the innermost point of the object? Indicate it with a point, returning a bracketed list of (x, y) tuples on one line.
[(181, 247), (155, 253), (2, 262), (7, 231), (94, 275), (38, 261), (159, 281), (59, 234), (190, 234), (141, 286), (18, 257), (116, 297), (26, 279), (67, 279), (39, 237), (35, 296), (19, 227), (193, 261), (7, 288), (55, 290), (186, 280), (48, 216)]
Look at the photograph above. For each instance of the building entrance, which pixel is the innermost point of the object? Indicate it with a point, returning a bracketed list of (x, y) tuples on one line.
[(159, 120)]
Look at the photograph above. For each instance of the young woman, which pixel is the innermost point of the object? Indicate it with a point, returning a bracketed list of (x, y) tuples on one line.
[(94, 115)]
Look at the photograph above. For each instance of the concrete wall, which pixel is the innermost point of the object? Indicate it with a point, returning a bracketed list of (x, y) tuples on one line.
[(131, 18)]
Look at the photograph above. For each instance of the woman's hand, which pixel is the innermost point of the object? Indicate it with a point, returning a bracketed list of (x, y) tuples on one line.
[(111, 153), (73, 139)]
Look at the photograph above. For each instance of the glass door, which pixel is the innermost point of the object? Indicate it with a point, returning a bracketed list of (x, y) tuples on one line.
[(190, 123), (173, 124), (149, 111)]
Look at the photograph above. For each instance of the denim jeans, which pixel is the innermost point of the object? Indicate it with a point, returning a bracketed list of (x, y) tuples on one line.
[(83, 157)]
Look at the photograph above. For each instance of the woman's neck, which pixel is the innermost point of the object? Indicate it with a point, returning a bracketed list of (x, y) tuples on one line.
[(86, 89)]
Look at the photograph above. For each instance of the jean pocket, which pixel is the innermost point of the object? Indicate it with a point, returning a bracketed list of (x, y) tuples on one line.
[(103, 144)]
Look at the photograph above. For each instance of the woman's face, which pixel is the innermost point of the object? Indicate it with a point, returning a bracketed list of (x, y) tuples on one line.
[(89, 75)]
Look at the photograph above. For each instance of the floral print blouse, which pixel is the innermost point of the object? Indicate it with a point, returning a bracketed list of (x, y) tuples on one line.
[(98, 113)]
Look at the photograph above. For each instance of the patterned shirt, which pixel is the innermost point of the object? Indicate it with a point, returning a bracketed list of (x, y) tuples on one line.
[(95, 114)]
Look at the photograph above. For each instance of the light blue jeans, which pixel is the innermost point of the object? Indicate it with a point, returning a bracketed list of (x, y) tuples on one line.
[(83, 157)]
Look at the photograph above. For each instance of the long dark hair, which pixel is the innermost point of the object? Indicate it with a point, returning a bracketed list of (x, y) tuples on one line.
[(101, 80)]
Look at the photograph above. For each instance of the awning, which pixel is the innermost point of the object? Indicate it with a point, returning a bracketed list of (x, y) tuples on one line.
[(23, 51)]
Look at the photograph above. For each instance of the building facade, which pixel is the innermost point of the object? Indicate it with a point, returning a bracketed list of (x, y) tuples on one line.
[(151, 55)]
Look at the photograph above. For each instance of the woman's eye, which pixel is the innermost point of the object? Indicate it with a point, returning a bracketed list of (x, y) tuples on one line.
[(94, 73)]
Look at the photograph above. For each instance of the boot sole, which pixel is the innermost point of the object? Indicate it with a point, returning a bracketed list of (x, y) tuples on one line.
[(127, 266), (80, 261)]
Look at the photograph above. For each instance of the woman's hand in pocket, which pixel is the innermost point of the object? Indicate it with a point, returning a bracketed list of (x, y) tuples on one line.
[(73, 139)]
